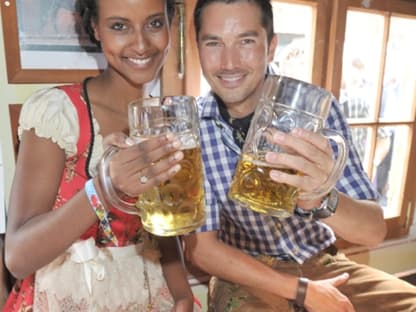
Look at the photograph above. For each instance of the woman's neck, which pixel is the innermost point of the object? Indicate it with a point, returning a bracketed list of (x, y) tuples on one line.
[(114, 94)]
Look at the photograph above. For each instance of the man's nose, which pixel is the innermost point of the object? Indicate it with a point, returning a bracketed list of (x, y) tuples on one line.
[(229, 58)]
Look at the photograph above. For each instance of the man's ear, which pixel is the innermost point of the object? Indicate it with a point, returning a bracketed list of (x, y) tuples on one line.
[(272, 48)]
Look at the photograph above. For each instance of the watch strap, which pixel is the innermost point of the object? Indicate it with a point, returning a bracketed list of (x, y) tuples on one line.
[(328, 206), (301, 291)]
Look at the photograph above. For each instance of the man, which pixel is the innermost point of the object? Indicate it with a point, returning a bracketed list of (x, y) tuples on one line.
[(281, 261)]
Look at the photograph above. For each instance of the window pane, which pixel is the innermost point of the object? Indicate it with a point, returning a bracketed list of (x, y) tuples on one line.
[(361, 63), (400, 71), (392, 150), (361, 137), (293, 24)]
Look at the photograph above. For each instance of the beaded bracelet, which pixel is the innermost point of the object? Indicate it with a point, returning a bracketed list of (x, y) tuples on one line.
[(100, 211)]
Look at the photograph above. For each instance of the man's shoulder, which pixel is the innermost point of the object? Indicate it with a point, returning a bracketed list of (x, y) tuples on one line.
[(207, 105), (205, 99)]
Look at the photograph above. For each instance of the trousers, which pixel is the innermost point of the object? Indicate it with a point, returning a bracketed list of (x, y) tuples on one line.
[(367, 288)]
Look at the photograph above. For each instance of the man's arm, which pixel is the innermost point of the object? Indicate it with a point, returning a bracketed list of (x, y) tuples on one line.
[(205, 251), (357, 221)]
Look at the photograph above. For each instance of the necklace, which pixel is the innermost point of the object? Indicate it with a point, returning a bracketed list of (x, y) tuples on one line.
[(240, 126)]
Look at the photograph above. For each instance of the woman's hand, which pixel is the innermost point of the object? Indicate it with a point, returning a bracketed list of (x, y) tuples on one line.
[(136, 167), (184, 305)]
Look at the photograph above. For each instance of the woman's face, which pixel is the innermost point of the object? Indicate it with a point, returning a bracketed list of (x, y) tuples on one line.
[(134, 36)]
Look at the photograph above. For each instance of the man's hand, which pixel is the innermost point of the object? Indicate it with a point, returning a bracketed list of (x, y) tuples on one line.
[(311, 156), (323, 296)]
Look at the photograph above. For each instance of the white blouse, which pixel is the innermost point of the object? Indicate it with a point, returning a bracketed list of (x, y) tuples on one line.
[(52, 115)]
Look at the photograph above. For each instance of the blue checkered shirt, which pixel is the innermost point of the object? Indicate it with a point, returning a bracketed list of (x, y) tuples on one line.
[(297, 237)]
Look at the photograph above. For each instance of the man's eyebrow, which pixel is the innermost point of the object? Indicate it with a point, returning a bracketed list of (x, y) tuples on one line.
[(251, 33), (209, 37)]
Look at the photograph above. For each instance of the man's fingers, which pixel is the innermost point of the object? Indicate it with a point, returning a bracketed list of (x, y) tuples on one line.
[(340, 279)]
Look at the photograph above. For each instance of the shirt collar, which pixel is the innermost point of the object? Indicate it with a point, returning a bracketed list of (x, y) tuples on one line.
[(209, 107)]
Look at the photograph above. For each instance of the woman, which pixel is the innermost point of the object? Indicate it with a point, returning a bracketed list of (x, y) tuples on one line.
[(86, 256)]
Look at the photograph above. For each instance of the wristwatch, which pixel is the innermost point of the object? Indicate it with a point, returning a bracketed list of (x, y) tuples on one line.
[(328, 206)]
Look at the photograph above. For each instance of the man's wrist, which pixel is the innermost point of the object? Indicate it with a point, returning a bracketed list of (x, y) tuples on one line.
[(328, 206), (301, 291)]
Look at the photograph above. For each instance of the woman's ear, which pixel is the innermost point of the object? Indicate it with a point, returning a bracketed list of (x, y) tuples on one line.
[(96, 32)]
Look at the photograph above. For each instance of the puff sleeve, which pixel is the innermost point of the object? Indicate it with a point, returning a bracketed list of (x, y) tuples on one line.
[(52, 116)]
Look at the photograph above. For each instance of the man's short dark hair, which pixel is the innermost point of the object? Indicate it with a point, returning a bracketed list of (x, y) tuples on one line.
[(264, 6)]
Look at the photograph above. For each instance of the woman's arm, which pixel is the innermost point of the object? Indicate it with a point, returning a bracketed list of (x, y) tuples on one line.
[(36, 234), (175, 274), (34, 229)]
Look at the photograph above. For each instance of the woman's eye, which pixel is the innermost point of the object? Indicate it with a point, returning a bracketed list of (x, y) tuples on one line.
[(157, 23), (118, 26)]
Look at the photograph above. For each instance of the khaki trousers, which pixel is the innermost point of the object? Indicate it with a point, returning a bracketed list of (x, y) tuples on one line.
[(369, 290)]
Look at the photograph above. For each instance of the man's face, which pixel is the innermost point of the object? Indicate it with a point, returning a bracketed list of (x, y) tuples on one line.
[(234, 53)]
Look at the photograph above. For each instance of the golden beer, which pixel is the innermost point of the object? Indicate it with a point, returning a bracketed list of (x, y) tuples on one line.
[(253, 187), (177, 206)]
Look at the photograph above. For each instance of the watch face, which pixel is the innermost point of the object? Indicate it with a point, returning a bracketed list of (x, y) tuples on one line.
[(332, 201), (328, 207)]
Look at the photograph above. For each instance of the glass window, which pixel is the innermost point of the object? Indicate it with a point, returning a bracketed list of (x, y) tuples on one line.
[(293, 24), (384, 48), (400, 74), (361, 63), (390, 166), (361, 137)]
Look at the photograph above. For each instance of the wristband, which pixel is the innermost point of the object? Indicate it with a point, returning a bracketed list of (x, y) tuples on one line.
[(301, 291), (99, 209)]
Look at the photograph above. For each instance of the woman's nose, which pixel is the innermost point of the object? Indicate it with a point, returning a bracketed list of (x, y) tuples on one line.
[(140, 42)]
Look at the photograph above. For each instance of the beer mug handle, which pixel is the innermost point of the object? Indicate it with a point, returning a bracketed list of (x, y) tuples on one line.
[(338, 169), (106, 184)]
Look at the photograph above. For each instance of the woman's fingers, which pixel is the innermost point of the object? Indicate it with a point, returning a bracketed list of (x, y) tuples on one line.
[(118, 139), (136, 168)]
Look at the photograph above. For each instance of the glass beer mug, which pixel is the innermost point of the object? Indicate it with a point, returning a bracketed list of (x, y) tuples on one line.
[(285, 104), (176, 206)]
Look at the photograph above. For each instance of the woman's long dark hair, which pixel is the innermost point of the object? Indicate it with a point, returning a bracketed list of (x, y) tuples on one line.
[(88, 11)]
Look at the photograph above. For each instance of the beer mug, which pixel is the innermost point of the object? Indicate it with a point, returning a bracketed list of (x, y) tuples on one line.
[(176, 206), (285, 104)]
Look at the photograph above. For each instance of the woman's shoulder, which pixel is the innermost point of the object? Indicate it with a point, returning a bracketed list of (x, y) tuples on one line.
[(50, 98), (50, 112)]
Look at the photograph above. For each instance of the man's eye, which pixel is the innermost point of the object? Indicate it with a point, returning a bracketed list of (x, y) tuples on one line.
[(212, 44), (247, 41)]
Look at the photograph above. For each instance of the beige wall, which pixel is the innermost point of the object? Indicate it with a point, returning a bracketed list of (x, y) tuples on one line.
[(394, 257), (9, 94)]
